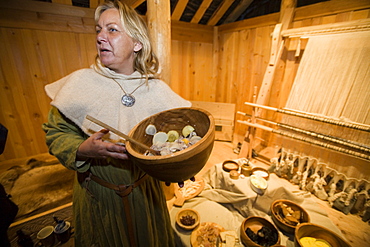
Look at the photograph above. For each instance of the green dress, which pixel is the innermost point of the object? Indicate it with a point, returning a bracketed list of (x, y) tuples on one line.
[(99, 217)]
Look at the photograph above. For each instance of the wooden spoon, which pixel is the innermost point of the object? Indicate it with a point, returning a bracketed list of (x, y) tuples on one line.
[(180, 199), (119, 133)]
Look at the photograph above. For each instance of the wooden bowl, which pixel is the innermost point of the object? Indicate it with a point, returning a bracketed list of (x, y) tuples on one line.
[(230, 165), (187, 212), (255, 223), (182, 165), (318, 232), (283, 225), (260, 171)]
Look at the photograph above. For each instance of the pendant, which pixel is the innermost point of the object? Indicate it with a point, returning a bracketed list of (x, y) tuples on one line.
[(128, 100)]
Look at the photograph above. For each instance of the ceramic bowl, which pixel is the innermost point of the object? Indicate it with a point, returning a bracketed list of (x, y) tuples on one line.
[(255, 223), (258, 184), (319, 233), (278, 216), (183, 214), (182, 165), (260, 172), (46, 236)]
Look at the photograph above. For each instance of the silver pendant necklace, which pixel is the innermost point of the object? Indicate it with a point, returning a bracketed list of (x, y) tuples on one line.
[(128, 99)]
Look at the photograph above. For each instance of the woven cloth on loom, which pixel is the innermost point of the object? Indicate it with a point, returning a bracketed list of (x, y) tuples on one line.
[(333, 77), (333, 81)]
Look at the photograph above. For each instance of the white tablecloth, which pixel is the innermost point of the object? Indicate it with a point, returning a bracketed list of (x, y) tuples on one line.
[(228, 202)]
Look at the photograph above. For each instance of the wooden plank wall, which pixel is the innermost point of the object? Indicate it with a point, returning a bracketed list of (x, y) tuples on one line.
[(43, 42), (40, 44)]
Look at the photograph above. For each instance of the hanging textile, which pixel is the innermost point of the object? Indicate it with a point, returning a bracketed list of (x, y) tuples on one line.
[(333, 78)]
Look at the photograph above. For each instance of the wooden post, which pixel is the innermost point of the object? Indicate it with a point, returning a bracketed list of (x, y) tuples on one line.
[(159, 24), (287, 9), (252, 131), (247, 145)]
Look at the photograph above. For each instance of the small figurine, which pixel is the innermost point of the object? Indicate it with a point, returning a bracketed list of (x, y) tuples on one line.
[(302, 185)]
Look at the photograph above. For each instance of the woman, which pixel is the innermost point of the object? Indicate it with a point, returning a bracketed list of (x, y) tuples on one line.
[(120, 89)]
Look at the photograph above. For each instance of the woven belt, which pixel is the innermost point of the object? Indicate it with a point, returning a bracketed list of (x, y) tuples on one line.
[(123, 191)]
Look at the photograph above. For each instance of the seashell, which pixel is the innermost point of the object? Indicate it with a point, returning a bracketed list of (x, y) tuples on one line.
[(185, 141), (175, 146), (165, 151), (195, 139), (187, 130), (160, 137), (150, 129), (173, 135)]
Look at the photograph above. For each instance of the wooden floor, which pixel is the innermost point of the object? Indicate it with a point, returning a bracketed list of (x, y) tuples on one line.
[(353, 228)]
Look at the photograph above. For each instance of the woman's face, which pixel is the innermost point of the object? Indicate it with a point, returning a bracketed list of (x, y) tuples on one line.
[(116, 49)]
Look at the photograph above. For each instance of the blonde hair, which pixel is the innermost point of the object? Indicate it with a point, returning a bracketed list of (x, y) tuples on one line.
[(146, 61)]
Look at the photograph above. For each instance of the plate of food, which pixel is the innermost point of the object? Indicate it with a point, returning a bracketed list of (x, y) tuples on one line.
[(206, 234)]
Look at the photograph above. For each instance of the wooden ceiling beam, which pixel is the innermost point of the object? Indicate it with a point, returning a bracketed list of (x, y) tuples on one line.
[(236, 13), (133, 3), (95, 3), (179, 9), (217, 15), (200, 12), (67, 2)]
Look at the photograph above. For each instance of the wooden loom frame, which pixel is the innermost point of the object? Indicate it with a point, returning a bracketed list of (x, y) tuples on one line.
[(351, 26)]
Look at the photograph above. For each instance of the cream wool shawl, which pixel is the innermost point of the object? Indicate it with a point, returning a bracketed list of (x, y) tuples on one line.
[(93, 92)]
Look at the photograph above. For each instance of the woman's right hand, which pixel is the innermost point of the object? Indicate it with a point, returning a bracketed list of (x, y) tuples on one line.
[(96, 147)]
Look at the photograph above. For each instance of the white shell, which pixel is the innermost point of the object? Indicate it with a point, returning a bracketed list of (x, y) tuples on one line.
[(160, 137), (150, 129), (195, 139), (175, 146)]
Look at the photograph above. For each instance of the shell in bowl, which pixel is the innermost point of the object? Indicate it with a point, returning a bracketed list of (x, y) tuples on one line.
[(309, 231), (187, 218), (287, 215), (249, 232), (181, 165)]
